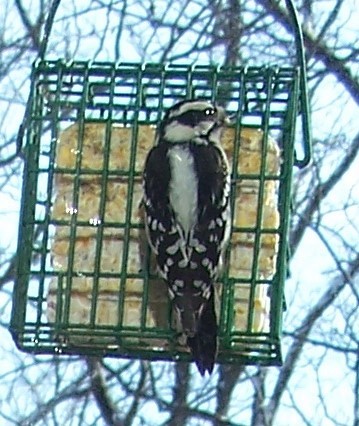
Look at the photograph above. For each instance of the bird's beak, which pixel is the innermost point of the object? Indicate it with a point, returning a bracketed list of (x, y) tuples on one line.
[(223, 118), (230, 119)]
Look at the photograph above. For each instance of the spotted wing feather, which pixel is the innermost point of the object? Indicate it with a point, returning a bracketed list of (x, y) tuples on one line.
[(161, 227)]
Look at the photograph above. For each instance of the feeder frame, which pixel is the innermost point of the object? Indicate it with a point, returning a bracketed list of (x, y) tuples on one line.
[(134, 95)]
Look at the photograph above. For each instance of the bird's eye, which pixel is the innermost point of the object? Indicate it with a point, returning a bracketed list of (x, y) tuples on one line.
[(209, 111)]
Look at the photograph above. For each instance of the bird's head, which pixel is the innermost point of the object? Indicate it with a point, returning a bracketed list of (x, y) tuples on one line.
[(195, 121)]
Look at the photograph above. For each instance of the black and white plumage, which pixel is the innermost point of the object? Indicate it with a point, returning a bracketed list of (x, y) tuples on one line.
[(187, 217)]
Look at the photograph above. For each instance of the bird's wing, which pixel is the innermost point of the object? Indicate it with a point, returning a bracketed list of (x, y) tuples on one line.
[(213, 223), (164, 233)]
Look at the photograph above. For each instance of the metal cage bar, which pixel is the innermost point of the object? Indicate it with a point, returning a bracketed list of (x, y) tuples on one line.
[(85, 282)]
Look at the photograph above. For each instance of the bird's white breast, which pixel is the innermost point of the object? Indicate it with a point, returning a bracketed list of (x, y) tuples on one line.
[(183, 189)]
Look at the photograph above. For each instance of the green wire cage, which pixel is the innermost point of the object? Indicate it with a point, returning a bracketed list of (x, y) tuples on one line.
[(85, 279)]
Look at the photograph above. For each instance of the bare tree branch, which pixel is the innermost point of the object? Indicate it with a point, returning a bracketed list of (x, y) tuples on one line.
[(320, 192), (356, 390), (74, 391), (99, 391), (335, 288), (318, 49), (34, 30), (227, 380), (179, 413), (258, 408), (133, 411)]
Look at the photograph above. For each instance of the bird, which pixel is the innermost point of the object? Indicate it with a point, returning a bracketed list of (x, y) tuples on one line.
[(186, 186)]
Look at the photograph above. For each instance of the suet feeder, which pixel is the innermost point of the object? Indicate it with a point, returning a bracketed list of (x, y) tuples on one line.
[(85, 280)]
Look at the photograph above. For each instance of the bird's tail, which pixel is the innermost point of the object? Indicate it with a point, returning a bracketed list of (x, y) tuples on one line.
[(203, 344)]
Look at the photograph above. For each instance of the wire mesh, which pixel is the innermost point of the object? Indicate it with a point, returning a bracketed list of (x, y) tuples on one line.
[(85, 279)]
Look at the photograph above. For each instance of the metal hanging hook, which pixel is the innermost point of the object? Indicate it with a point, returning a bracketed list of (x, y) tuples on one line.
[(304, 101)]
